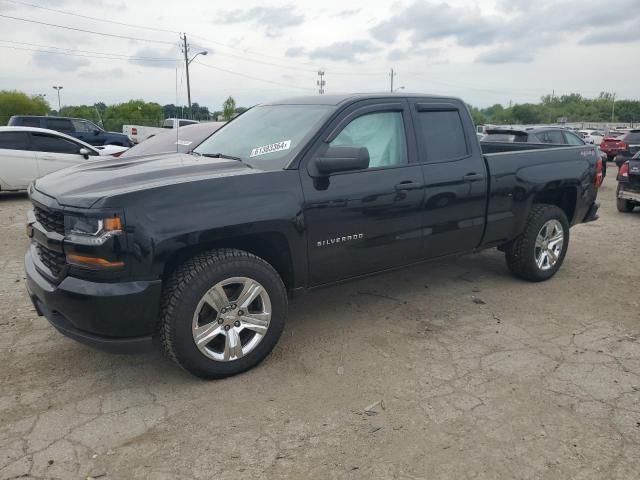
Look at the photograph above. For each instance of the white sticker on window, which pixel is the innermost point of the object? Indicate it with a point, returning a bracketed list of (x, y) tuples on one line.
[(274, 147), (184, 143)]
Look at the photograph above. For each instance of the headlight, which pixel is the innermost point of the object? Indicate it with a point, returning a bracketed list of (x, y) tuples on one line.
[(91, 230)]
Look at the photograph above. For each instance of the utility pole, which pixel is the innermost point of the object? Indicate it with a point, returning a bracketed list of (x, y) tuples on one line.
[(185, 50), (321, 83), (187, 62), (58, 88), (392, 74), (613, 108)]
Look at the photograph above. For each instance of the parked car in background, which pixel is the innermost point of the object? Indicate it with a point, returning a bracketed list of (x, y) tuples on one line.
[(167, 141), (592, 136), (628, 192), (79, 128), (611, 144), (28, 153), (553, 135), (139, 133), (628, 146)]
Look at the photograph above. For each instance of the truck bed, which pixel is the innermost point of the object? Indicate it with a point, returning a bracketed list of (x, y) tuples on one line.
[(517, 175)]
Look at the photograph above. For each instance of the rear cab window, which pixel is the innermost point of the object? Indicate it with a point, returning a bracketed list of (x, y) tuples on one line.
[(441, 135)]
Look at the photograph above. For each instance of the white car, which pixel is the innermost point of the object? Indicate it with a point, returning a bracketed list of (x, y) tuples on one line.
[(139, 133), (592, 136), (27, 153)]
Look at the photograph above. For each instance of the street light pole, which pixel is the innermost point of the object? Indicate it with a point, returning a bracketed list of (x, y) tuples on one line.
[(187, 62), (58, 88)]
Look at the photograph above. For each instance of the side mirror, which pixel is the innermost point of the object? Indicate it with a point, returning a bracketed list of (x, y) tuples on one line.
[(85, 153), (96, 132), (341, 158)]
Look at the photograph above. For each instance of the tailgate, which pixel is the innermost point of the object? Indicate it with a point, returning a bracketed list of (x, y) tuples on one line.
[(634, 172)]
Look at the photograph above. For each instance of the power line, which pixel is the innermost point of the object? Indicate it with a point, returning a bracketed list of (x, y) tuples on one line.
[(88, 31), (105, 57), (131, 25), (251, 77), (73, 51)]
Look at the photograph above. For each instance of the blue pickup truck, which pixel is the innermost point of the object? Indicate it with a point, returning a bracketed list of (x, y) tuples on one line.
[(80, 128)]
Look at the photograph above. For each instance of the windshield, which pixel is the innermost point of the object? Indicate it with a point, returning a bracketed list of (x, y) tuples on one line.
[(181, 140), (268, 136)]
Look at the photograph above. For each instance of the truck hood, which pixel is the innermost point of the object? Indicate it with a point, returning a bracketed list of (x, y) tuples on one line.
[(84, 185)]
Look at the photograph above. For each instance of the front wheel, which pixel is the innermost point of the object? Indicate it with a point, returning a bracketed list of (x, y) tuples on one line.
[(223, 311), (537, 254)]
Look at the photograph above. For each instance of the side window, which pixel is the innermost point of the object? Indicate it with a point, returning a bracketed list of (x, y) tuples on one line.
[(81, 126), (59, 124), (383, 135), (633, 137), (14, 141), (184, 123), (551, 136), (442, 135), (48, 143), (573, 139), (30, 122)]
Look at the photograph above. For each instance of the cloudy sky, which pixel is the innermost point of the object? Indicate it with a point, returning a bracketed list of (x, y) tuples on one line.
[(485, 51)]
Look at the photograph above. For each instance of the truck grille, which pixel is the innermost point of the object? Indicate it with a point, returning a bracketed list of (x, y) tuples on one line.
[(50, 220), (54, 261)]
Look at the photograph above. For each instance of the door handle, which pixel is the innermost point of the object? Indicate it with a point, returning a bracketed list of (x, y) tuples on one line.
[(472, 177), (407, 185)]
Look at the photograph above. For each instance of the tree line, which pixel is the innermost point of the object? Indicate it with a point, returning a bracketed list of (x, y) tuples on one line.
[(551, 109), (555, 109), (112, 117)]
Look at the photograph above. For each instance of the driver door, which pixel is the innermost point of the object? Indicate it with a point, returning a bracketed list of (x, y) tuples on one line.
[(368, 220)]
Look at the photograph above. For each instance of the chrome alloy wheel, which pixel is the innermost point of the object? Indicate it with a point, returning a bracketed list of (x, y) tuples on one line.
[(231, 319), (549, 243)]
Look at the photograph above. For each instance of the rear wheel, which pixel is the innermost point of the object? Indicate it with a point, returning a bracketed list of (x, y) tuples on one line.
[(537, 254), (222, 313), (625, 206)]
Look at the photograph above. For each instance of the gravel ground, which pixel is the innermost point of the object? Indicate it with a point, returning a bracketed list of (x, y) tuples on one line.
[(480, 376)]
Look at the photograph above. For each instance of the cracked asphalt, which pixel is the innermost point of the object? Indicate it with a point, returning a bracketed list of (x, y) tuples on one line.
[(481, 376)]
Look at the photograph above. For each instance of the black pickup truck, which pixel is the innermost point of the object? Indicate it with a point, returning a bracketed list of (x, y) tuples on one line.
[(201, 251)]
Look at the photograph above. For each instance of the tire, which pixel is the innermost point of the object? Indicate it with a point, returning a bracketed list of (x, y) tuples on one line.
[(624, 205), (184, 295), (524, 252)]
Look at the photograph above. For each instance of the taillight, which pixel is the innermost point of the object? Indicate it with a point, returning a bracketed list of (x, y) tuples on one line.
[(624, 170), (134, 131), (599, 177), (623, 146)]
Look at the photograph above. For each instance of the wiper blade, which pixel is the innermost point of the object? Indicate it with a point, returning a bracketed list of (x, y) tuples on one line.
[(221, 155)]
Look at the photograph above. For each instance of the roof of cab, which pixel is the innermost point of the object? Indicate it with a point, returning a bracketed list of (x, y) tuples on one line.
[(336, 100)]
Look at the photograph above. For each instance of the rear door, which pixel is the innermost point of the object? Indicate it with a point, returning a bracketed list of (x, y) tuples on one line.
[(364, 221), (455, 178), (54, 153), (18, 165)]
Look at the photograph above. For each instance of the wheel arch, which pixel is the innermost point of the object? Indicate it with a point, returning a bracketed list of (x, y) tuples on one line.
[(564, 197), (272, 247)]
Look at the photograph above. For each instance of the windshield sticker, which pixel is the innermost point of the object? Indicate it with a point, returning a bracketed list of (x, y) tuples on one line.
[(274, 147)]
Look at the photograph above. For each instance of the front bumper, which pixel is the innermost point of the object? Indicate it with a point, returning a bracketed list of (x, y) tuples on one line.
[(115, 317)]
